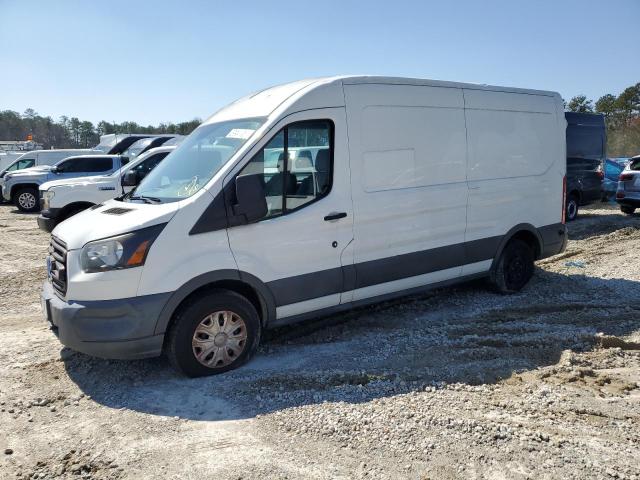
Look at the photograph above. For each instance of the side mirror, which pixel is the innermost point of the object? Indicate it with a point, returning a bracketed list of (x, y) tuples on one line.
[(55, 169), (252, 203), (130, 179)]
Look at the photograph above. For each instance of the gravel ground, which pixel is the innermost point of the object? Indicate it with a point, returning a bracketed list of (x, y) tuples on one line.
[(457, 383)]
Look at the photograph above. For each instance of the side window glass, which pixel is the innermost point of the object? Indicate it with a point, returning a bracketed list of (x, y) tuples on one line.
[(295, 166), (149, 164), (96, 165), (309, 162), (67, 166), (269, 164)]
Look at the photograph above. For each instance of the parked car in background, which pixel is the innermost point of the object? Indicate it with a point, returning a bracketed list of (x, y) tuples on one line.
[(140, 146), (61, 199), (435, 183), (628, 193), (118, 143), (8, 157), (586, 153), (41, 159), (613, 167), (21, 187), (37, 158)]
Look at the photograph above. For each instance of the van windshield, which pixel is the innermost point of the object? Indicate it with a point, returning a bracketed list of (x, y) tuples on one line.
[(190, 166), (107, 143)]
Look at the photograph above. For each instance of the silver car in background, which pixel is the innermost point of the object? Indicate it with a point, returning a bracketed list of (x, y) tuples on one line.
[(628, 193)]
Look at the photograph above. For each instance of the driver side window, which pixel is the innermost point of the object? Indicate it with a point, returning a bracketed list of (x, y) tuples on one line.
[(295, 166)]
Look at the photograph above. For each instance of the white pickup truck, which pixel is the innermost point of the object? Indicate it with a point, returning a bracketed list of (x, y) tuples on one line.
[(61, 199)]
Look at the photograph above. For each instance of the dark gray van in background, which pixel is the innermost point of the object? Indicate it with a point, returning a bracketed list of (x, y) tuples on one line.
[(586, 154)]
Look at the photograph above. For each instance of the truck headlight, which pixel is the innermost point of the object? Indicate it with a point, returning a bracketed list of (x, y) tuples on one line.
[(123, 251), (46, 199)]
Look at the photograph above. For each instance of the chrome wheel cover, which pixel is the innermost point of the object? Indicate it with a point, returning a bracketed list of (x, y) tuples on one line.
[(27, 200), (219, 339)]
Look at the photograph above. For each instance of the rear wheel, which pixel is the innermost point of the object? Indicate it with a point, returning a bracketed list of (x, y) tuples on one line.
[(26, 199), (628, 210), (514, 267), (212, 334), (572, 207)]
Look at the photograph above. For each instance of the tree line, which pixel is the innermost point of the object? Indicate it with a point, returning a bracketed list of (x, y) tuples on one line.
[(622, 117), (621, 112), (75, 133)]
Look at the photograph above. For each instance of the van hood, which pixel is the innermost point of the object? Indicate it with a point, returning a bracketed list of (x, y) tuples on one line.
[(79, 181), (95, 223)]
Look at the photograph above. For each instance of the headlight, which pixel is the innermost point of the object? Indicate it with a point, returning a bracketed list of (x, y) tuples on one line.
[(47, 195), (124, 251)]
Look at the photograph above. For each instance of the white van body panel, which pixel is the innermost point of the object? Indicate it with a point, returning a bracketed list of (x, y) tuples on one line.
[(96, 224), (514, 141), (169, 265), (301, 242), (434, 178), (407, 150)]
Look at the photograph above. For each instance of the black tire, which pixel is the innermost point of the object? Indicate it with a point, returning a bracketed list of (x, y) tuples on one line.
[(514, 267), (178, 344), (573, 204), (26, 199), (628, 210)]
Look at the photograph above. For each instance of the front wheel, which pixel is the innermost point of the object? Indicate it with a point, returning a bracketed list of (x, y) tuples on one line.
[(514, 267), (628, 210), (572, 207), (212, 334), (26, 199)]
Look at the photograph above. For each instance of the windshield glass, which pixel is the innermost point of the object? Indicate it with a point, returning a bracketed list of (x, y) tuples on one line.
[(107, 143), (188, 168), (136, 147)]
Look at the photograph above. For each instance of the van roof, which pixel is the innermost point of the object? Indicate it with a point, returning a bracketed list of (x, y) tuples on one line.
[(264, 102)]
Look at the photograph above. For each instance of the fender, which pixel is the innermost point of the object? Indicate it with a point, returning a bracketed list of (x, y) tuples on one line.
[(264, 294), (510, 234)]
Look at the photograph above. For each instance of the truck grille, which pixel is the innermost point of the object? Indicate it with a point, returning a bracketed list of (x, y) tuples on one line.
[(57, 265)]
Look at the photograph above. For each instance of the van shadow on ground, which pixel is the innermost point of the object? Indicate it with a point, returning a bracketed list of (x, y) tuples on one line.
[(463, 334)]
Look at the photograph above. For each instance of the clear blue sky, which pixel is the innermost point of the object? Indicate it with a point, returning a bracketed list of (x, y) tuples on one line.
[(154, 61)]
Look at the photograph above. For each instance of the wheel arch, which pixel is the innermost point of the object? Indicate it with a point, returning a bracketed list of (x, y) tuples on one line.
[(19, 186), (74, 206), (522, 231), (236, 281)]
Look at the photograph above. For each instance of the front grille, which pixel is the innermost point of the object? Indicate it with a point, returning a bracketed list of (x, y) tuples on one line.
[(58, 265)]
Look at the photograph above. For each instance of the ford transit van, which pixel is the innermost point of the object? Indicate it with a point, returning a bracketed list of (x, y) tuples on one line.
[(307, 199)]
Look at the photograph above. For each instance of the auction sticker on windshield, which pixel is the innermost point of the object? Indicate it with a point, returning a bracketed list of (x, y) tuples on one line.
[(242, 133)]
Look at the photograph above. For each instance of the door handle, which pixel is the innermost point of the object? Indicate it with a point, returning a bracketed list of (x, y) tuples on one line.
[(335, 216)]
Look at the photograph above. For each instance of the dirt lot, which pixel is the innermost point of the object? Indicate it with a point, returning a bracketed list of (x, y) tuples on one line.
[(458, 383)]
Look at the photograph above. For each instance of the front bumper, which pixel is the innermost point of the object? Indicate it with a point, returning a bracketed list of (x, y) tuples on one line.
[(6, 195), (47, 224), (48, 218), (120, 329)]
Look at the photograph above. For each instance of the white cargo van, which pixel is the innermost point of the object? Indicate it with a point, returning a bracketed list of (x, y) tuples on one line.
[(307, 199)]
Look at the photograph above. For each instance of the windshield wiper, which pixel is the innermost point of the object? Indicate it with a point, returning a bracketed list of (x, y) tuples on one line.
[(146, 199)]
